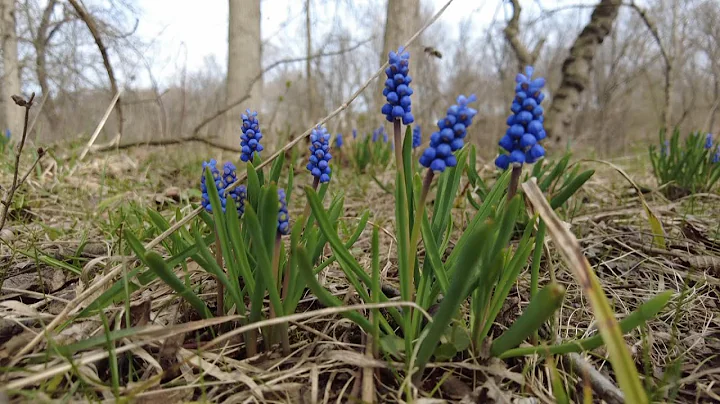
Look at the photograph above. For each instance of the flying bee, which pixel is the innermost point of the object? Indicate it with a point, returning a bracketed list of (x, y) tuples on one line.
[(433, 52)]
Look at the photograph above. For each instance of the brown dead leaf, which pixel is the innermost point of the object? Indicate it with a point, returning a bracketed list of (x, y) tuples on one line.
[(140, 313), (705, 263), (48, 280), (15, 344), (167, 356), (455, 388)]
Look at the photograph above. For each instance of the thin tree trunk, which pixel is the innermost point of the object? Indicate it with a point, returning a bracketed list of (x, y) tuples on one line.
[(576, 71), (11, 114), (41, 41), (244, 53), (308, 66)]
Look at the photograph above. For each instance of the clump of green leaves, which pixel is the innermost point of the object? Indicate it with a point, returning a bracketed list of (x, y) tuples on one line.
[(683, 168), (369, 153)]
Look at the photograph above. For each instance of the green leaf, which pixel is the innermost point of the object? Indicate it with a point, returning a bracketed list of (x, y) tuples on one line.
[(157, 264), (637, 318), (327, 298), (445, 351), (570, 189), (457, 293)]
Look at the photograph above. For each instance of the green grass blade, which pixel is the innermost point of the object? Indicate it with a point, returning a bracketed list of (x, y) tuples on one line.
[(157, 264), (548, 300), (637, 318)]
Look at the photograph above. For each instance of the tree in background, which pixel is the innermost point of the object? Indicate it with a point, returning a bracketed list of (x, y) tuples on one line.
[(244, 81), (10, 115)]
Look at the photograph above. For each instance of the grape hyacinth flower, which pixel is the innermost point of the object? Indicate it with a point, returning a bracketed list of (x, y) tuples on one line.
[(449, 137), (377, 132), (219, 185), (417, 137), (283, 215), (709, 141), (251, 136), (239, 193), (354, 133), (7, 134), (716, 156), (526, 130), (665, 151), (339, 140), (397, 90), (319, 155)]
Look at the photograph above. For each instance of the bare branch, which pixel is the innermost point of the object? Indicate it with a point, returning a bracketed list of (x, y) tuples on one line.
[(228, 107), (90, 23)]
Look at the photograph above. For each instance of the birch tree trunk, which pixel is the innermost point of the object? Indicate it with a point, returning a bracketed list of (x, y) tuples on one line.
[(400, 24), (244, 65), (576, 72), (10, 113)]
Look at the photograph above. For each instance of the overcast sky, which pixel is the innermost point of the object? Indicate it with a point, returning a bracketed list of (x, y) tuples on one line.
[(178, 26)]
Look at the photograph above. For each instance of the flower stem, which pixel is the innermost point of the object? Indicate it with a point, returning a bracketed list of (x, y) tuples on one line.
[(415, 238), (315, 184), (514, 181), (220, 310), (407, 282), (276, 272)]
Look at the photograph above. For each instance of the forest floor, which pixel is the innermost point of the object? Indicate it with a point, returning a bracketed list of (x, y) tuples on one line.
[(64, 234)]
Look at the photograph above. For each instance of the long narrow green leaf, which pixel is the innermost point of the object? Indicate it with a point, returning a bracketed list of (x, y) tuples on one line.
[(323, 295), (569, 190), (549, 299), (157, 264), (637, 318), (468, 260)]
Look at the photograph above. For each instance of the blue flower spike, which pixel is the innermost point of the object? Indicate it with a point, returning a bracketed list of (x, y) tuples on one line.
[(283, 215), (320, 156), (251, 136), (354, 133), (397, 90), (417, 137), (525, 125), (239, 193), (339, 140), (709, 141), (449, 138), (716, 157), (219, 185)]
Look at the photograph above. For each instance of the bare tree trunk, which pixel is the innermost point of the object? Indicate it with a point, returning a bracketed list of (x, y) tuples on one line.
[(42, 38), (11, 113), (308, 66), (244, 64), (576, 71), (400, 25), (92, 27)]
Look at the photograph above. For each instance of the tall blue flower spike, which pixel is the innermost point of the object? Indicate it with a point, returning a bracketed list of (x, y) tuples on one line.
[(219, 185), (417, 137), (239, 193), (665, 151), (320, 154), (377, 132), (449, 138), (283, 215), (7, 134), (716, 157), (354, 133), (709, 141), (397, 90), (339, 140), (525, 125), (251, 136)]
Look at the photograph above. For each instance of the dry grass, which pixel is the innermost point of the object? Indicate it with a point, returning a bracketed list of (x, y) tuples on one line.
[(676, 352)]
